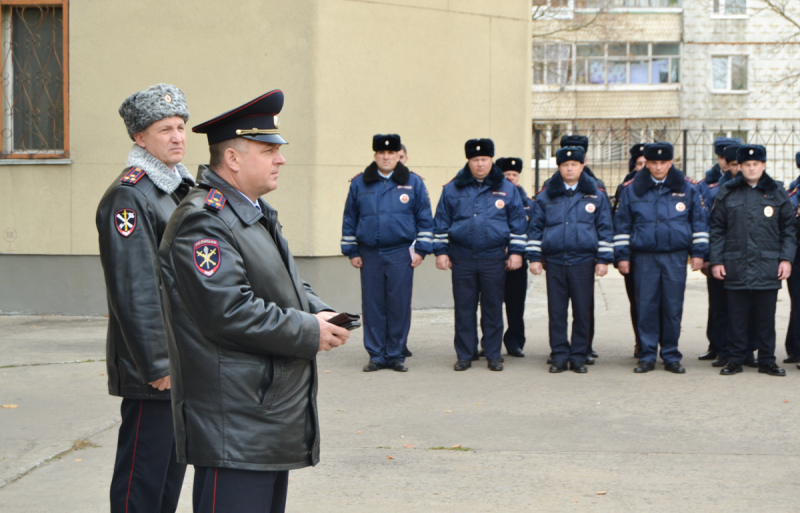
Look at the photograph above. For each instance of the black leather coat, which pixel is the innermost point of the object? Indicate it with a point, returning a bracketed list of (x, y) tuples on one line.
[(242, 338), (131, 220), (752, 231)]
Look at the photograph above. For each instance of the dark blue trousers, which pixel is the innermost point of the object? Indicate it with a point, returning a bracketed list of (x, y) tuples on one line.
[(567, 283), (630, 290), (717, 328), (223, 490), (516, 288), (478, 281), (147, 476), (793, 333), (386, 283), (660, 280), (752, 319)]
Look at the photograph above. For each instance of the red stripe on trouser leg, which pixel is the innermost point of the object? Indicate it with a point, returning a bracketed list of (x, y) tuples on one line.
[(214, 502), (133, 461)]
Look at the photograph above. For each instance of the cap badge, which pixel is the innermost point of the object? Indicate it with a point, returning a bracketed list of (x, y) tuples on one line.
[(404, 198), (641, 148), (513, 162), (499, 203), (659, 152), (168, 98), (680, 206), (386, 143), (569, 154), (477, 147), (275, 121), (768, 211), (590, 208), (751, 152)]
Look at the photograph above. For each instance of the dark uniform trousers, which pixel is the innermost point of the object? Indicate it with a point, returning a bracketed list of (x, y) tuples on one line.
[(793, 333), (147, 476), (565, 283), (386, 282), (717, 328), (660, 280), (478, 280), (630, 289), (516, 289), (223, 490), (751, 314)]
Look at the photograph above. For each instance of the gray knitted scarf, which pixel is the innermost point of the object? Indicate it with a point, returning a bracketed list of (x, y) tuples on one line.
[(161, 176)]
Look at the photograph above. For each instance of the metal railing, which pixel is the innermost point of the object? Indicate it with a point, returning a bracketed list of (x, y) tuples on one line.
[(608, 153)]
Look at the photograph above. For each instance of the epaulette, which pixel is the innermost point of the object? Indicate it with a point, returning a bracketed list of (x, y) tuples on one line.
[(540, 190), (794, 191), (628, 182), (690, 180), (602, 190), (214, 200), (445, 185), (133, 175), (359, 174), (715, 184)]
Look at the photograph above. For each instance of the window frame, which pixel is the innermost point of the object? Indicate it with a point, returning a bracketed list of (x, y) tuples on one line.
[(722, 6), (64, 5), (729, 75)]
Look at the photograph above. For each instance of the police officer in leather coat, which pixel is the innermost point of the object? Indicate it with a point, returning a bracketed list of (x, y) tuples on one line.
[(131, 220), (245, 329)]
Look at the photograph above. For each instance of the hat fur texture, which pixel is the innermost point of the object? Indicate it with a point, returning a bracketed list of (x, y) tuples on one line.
[(142, 109)]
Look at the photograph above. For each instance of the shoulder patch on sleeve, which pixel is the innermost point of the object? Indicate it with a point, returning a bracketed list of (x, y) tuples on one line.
[(207, 256), (125, 221), (359, 174), (214, 200), (132, 176)]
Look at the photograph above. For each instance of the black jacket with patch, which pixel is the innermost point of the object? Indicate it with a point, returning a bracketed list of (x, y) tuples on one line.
[(752, 230)]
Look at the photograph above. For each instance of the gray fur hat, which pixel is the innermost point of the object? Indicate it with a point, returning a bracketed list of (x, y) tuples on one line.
[(142, 109)]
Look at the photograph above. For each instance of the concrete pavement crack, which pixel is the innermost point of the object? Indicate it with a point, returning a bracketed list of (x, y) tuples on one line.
[(14, 366), (105, 426)]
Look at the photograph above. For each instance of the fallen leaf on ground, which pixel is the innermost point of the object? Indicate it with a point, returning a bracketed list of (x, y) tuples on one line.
[(359, 432), (327, 372), (408, 446), (9, 406), (390, 457), (448, 411), (601, 493), (574, 500), (786, 400), (479, 404), (79, 459), (457, 446)]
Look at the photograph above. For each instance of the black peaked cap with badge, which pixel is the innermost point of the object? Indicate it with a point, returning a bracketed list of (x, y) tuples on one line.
[(509, 164), (386, 142), (479, 148), (568, 153), (575, 140), (658, 151), (256, 120)]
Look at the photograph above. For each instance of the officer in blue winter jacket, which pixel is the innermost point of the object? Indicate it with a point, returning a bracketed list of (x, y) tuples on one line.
[(793, 285), (480, 233), (387, 210), (714, 175), (516, 287), (571, 230), (659, 223)]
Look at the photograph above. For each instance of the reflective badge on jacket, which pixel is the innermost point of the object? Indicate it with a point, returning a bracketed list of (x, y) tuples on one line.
[(207, 256), (499, 203), (125, 221)]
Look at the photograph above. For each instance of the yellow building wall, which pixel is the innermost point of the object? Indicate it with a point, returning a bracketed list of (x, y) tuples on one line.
[(437, 72)]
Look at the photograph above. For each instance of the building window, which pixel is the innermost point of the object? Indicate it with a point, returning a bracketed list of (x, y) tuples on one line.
[(607, 63), (605, 4), (729, 73), (730, 7), (33, 79)]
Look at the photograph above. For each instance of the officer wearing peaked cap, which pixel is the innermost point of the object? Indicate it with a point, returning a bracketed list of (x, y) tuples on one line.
[(387, 211), (245, 328), (635, 164), (479, 232), (131, 218), (659, 222), (571, 230), (516, 286), (753, 230)]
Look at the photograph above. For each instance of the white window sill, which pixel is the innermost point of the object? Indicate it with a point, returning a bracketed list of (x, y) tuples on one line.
[(538, 88), (35, 162), (730, 16), (714, 91)]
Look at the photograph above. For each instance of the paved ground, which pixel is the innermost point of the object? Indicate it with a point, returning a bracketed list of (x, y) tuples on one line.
[(538, 442)]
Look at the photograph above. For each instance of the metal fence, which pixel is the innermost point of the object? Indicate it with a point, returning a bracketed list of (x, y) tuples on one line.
[(694, 150)]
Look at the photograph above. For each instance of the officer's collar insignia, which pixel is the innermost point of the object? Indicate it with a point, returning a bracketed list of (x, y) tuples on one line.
[(214, 200), (125, 221), (207, 256), (133, 175)]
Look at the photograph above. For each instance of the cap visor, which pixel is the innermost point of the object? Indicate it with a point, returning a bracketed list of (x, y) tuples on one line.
[(271, 139)]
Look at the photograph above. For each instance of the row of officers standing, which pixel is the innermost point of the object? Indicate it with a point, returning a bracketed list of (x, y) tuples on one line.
[(737, 225)]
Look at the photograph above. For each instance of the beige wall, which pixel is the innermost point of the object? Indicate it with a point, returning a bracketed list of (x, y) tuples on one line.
[(437, 72)]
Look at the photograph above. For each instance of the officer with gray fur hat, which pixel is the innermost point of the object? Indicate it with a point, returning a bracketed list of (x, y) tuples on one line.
[(131, 219)]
